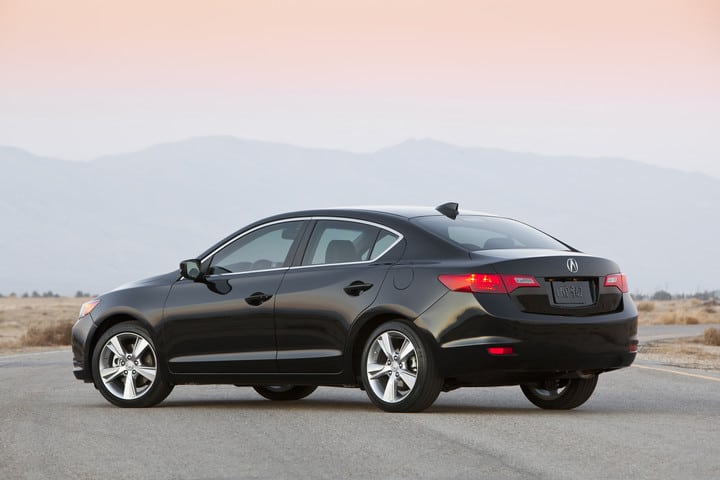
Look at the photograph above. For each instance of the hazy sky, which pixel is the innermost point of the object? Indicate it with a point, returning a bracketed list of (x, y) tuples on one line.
[(637, 79)]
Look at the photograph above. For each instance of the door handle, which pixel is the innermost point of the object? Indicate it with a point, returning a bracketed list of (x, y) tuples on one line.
[(257, 298), (357, 287)]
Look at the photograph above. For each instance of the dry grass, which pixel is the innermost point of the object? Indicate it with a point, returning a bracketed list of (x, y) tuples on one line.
[(646, 306), (685, 352), (677, 312), (28, 322), (47, 334), (712, 336)]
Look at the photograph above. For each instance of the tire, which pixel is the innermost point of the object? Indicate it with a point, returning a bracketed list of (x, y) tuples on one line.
[(560, 394), (126, 369), (284, 392), (398, 371)]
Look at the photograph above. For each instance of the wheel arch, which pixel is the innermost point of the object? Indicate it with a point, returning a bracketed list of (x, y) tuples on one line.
[(365, 325), (106, 324)]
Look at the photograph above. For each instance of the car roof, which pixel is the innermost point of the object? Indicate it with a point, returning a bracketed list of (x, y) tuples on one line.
[(403, 211)]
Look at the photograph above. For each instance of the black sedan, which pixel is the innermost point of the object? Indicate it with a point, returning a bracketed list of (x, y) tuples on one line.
[(402, 302)]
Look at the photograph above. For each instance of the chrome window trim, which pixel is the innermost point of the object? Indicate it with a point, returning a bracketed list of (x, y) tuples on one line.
[(400, 236), (354, 220), (269, 224)]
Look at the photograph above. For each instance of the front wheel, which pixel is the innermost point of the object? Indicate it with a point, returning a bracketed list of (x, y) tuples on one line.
[(560, 394), (398, 371), (126, 368), (285, 392)]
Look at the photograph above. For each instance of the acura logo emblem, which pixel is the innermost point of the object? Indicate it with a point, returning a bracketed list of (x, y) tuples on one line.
[(572, 265)]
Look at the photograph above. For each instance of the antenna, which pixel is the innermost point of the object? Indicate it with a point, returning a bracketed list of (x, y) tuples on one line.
[(449, 209)]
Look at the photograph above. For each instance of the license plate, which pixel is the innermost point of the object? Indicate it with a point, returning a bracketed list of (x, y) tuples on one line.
[(572, 293)]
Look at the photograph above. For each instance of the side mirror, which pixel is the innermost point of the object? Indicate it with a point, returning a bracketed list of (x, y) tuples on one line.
[(191, 269)]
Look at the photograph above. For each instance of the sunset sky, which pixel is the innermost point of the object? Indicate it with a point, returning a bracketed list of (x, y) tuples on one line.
[(636, 79)]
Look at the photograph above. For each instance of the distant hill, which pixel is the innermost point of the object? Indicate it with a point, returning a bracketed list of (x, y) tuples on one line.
[(70, 226)]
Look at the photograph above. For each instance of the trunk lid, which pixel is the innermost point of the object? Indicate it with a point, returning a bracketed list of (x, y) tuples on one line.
[(571, 283)]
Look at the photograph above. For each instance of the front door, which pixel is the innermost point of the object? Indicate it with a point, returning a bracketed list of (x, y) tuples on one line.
[(224, 324)]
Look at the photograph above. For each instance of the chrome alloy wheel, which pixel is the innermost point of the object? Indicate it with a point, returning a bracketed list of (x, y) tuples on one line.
[(127, 365), (392, 366)]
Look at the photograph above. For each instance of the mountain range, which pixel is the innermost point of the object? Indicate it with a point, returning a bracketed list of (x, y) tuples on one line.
[(90, 226)]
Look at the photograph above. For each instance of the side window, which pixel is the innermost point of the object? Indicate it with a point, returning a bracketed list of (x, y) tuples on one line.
[(384, 241), (264, 248), (337, 241)]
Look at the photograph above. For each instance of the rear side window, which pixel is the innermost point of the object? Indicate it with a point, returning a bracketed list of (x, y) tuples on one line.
[(475, 232), (339, 241)]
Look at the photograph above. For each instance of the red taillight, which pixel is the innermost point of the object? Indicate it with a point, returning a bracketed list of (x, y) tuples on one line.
[(474, 282), (617, 280), (500, 350), (487, 282), (633, 348), (518, 281)]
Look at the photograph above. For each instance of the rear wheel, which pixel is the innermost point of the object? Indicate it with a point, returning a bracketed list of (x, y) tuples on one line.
[(560, 394), (126, 368), (284, 392), (398, 371)]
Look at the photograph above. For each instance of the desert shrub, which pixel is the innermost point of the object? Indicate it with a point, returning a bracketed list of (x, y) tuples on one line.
[(712, 336), (646, 306), (662, 295), (690, 320), (674, 317), (47, 334)]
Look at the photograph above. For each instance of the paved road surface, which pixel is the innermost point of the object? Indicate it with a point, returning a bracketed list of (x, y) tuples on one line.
[(644, 422), (662, 332)]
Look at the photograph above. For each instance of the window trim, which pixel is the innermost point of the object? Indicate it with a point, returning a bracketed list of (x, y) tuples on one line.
[(400, 236), (247, 232)]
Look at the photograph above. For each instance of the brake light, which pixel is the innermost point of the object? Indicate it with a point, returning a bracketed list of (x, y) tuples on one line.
[(617, 280), (487, 282)]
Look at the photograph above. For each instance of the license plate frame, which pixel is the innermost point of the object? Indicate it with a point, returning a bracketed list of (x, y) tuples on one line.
[(575, 293)]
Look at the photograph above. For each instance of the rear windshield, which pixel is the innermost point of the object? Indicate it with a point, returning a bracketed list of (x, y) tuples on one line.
[(488, 233)]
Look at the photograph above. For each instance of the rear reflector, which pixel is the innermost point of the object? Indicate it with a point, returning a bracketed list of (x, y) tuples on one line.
[(487, 282), (617, 280), (633, 347), (500, 350)]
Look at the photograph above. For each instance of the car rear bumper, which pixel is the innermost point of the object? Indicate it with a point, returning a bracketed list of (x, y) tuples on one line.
[(541, 346)]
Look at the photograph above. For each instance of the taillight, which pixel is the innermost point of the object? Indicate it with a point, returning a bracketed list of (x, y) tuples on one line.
[(474, 282), (487, 282), (518, 281), (617, 280)]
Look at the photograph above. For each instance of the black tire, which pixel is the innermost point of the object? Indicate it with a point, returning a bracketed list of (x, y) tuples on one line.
[(112, 369), (389, 388), (284, 392), (560, 394)]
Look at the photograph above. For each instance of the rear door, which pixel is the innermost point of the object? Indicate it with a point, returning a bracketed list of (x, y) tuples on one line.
[(340, 274)]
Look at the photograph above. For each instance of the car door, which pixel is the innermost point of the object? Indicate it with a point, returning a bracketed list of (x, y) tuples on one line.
[(224, 324), (339, 276)]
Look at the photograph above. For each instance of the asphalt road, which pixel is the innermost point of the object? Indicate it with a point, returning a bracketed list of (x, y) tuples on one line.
[(644, 422)]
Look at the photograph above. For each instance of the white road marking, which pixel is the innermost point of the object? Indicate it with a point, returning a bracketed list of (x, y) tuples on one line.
[(695, 375)]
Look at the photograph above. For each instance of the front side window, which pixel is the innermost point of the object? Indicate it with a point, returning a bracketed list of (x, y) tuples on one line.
[(265, 248), (337, 241)]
